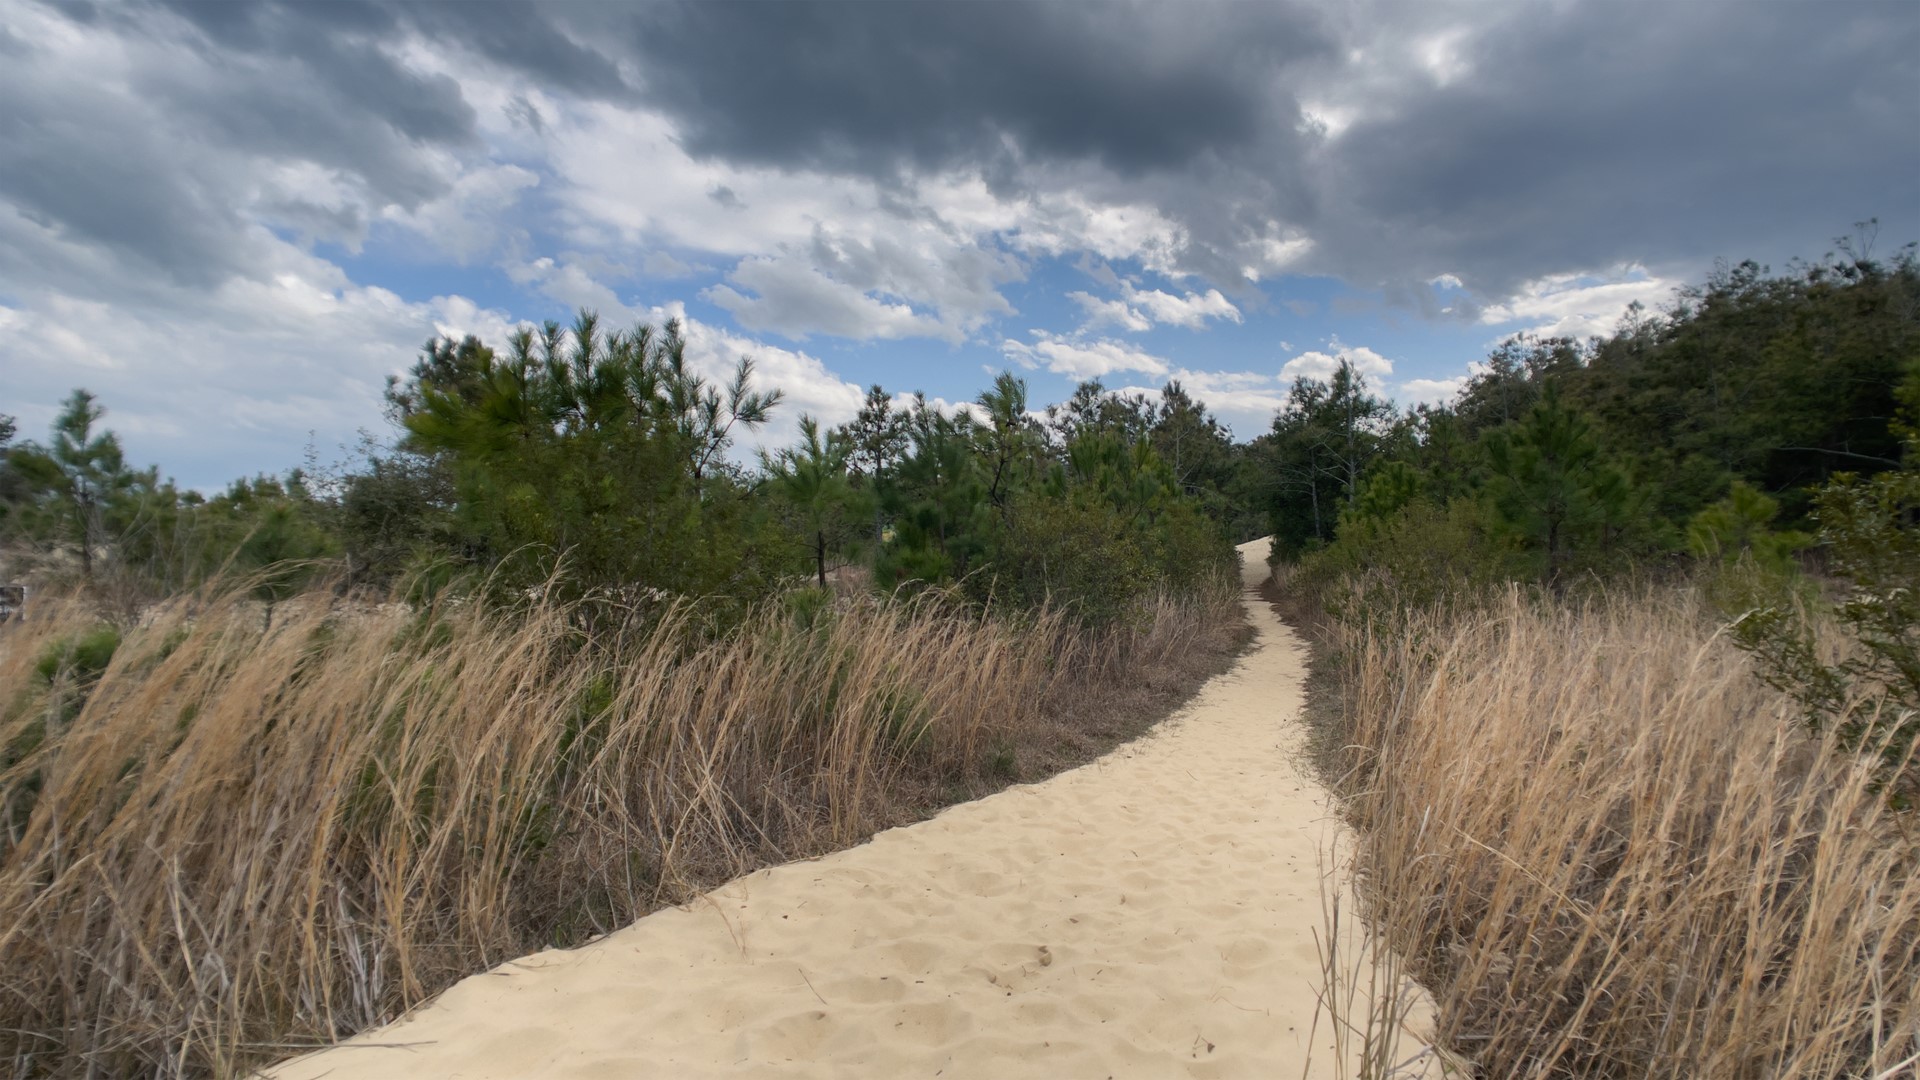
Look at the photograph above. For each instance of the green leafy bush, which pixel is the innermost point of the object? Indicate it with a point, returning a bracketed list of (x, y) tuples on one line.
[(1421, 555), (1075, 553), (1870, 694), (81, 659), (1740, 525)]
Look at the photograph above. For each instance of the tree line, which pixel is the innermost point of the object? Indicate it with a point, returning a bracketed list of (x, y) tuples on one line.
[(599, 463), (1558, 458), (1760, 437)]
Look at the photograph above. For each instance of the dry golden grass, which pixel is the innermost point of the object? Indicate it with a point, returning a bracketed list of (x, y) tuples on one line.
[(1610, 852), (249, 838)]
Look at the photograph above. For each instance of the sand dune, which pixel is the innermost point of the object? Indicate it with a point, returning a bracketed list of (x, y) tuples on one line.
[(1150, 914)]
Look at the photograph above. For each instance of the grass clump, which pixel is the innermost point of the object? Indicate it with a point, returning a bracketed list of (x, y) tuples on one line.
[(249, 837), (1609, 851)]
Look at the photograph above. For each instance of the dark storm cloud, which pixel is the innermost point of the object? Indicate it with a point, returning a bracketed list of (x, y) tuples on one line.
[(872, 86), (303, 76), (1191, 107), (252, 27), (525, 38), (165, 168), (522, 37), (89, 171), (1575, 135), (1614, 132), (1565, 136), (172, 172)]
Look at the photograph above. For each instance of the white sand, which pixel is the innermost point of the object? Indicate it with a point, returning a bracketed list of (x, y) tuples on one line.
[(1150, 914)]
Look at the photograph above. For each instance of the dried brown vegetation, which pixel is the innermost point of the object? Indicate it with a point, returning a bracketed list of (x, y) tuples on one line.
[(230, 839), (1610, 851)]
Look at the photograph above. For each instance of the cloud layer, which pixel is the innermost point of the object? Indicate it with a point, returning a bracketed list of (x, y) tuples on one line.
[(272, 203)]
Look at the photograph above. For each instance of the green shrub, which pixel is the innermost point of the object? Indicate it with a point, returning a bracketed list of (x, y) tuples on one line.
[(808, 608), (80, 659), (1188, 551), (1075, 553), (1740, 525), (1419, 556), (1870, 695)]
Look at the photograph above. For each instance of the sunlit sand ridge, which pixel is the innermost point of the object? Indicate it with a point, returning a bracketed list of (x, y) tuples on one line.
[(1150, 914)]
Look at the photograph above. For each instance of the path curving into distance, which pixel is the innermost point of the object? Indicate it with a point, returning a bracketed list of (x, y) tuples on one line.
[(1150, 914)]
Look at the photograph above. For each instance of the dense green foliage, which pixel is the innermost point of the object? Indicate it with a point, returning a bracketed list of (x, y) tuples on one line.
[(1761, 432), (597, 464), (1869, 527), (77, 502), (593, 460), (1081, 509), (1752, 426), (1563, 458)]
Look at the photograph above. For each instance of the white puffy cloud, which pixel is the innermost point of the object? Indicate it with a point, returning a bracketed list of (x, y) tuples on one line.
[(1578, 305), (904, 401), (807, 385), (1101, 312), (792, 298), (1191, 310), (1245, 401), (1138, 310), (1442, 56), (469, 221), (1225, 382), (234, 381), (216, 385), (1324, 119), (816, 254), (662, 264), (1278, 250), (1430, 391), (1059, 220), (1081, 359), (1316, 364), (572, 284)]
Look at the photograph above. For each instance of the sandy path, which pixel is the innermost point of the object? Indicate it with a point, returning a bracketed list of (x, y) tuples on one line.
[(1150, 914)]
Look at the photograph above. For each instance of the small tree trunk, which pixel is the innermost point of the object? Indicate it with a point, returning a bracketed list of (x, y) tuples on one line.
[(83, 515), (820, 555), (1553, 551)]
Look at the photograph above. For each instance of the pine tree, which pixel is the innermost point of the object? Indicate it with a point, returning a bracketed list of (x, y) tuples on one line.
[(813, 477), (83, 476), (1550, 482)]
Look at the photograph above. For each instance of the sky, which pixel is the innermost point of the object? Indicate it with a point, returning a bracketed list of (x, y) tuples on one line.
[(234, 222)]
